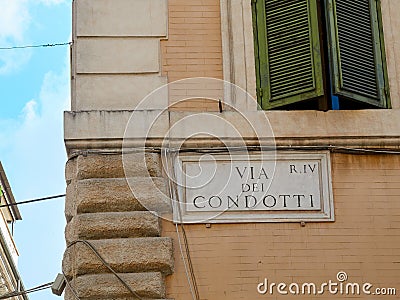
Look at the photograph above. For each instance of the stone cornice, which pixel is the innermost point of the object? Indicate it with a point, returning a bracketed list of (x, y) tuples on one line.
[(363, 128)]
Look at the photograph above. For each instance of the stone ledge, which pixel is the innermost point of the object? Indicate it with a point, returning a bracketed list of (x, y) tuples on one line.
[(373, 128), (110, 225), (97, 286), (152, 254)]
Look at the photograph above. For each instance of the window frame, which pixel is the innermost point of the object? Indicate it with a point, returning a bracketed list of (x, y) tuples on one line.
[(262, 61), (262, 68), (379, 49)]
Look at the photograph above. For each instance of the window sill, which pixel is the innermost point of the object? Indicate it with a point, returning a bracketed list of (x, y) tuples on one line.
[(374, 128)]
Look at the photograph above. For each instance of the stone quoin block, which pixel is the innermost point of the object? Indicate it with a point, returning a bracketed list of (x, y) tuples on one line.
[(70, 170), (123, 255), (111, 166), (70, 296), (113, 195), (95, 286), (70, 204), (112, 225)]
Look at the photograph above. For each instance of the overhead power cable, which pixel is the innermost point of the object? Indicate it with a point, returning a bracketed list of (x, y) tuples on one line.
[(36, 46), (107, 265), (31, 201), (189, 270), (32, 290), (68, 283)]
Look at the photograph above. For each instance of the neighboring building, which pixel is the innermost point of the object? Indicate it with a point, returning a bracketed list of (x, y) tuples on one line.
[(310, 190), (10, 280)]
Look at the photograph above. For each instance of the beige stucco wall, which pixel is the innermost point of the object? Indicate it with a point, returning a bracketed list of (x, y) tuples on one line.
[(229, 260)]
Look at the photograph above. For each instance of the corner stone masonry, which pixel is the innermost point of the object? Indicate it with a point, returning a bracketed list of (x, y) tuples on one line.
[(101, 209)]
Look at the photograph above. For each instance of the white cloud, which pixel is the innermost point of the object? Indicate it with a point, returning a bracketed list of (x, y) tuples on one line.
[(29, 110), (11, 61), (51, 2), (35, 140), (15, 20), (32, 152), (33, 155)]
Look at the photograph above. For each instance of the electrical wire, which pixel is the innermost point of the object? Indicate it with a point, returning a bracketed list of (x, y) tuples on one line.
[(32, 290), (36, 46), (184, 262), (172, 193), (189, 266), (91, 247), (171, 189), (114, 152), (189, 258), (31, 201), (338, 149), (70, 287)]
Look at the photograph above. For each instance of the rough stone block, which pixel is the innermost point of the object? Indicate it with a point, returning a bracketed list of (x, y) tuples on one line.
[(151, 193), (69, 296), (111, 166), (96, 286), (112, 225), (70, 204), (70, 170), (150, 254), (115, 195)]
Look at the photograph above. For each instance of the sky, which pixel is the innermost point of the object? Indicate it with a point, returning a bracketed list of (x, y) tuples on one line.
[(34, 92)]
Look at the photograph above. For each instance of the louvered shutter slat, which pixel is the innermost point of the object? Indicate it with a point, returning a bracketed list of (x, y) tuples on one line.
[(289, 61), (296, 13), (357, 54), (361, 32)]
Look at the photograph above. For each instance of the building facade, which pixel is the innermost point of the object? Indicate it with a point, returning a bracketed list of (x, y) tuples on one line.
[(10, 280), (233, 149)]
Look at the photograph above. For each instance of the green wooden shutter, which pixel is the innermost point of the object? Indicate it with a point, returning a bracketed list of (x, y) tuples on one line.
[(357, 51), (288, 57)]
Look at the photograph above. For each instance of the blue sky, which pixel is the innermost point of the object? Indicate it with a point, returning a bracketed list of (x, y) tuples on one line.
[(34, 90)]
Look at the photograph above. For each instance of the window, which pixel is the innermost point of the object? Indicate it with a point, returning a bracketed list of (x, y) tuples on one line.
[(320, 54)]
